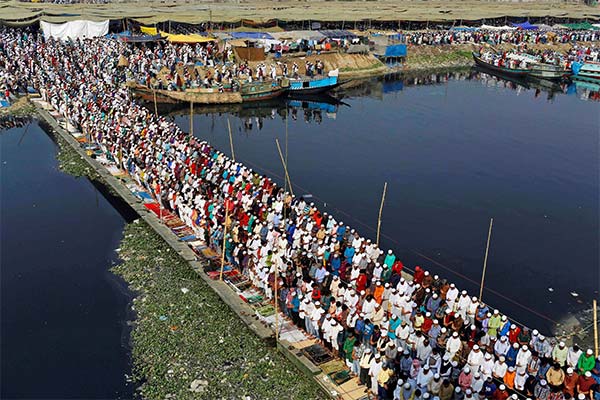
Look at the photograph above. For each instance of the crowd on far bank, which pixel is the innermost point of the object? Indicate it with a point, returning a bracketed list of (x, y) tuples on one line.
[(407, 339)]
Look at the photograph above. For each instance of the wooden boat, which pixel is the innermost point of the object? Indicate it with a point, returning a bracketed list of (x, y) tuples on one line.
[(548, 71), (314, 85), (198, 95), (512, 72), (257, 91), (589, 72), (249, 91)]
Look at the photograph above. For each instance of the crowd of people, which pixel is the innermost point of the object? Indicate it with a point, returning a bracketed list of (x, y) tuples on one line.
[(408, 339), (511, 36)]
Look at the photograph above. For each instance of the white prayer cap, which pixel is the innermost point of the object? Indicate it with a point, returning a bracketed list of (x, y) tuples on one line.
[(448, 310), (474, 299), (513, 326), (588, 374), (535, 332), (426, 273), (562, 344), (452, 285), (504, 318), (436, 376), (464, 292), (589, 352), (496, 312), (569, 370), (524, 348), (502, 387), (455, 334), (428, 314), (387, 285), (488, 356), (476, 347), (581, 396), (389, 251)]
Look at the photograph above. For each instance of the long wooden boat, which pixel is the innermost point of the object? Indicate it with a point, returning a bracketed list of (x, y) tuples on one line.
[(314, 85), (513, 72), (249, 91), (198, 95), (258, 91), (589, 72), (549, 71)]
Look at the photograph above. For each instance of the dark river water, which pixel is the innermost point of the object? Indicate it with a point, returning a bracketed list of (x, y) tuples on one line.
[(63, 313), (455, 150)]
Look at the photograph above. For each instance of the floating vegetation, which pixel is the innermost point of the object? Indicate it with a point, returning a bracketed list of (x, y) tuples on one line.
[(70, 162), (187, 343), (20, 108)]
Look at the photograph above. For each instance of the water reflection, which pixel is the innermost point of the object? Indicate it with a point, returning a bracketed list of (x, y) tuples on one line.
[(313, 109)]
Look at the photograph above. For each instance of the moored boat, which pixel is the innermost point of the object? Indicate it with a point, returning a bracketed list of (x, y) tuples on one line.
[(549, 71), (257, 91), (314, 85), (512, 72), (589, 71)]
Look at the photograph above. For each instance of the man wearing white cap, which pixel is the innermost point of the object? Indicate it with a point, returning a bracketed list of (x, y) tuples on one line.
[(453, 345), (423, 377), (486, 366), (573, 356), (559, 353), (435, 385), (451, 296), (585, 384), (520, 380), (586, 362), (364, 364), (523, 357), (464, 301), (475, 358), (494, 323), (541, 390), (500, 368), (502, 346), (374, 370)]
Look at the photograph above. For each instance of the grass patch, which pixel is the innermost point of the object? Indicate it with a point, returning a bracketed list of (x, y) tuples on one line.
[(374, 65), (182, 341), (20, 108)]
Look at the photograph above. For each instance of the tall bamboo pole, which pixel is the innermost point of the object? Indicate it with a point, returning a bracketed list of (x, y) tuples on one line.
[(595, 305), (287, 176), (381, 211), (191, 117), (230, 140), (276, 303), (155, 107), (224, 238), (487, 248)]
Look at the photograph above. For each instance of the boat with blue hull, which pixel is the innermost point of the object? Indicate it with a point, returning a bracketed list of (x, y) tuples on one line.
[(588, 72), (314, 85)]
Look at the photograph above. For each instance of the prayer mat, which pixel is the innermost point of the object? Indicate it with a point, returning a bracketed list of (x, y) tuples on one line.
[(340, 377), (333, 366), (317, 354)]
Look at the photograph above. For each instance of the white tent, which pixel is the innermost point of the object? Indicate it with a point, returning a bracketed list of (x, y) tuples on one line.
[(498, 28), (74, 29)]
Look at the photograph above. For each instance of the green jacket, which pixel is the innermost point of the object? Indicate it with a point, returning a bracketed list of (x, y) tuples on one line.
[(586, 363)]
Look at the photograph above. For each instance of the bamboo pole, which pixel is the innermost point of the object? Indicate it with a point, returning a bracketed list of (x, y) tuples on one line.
[(191, 118), (595, 305), (230, 140), (287, 176), (224, 238), (487, 248), (155, 107), (381, 211), (276, 304)]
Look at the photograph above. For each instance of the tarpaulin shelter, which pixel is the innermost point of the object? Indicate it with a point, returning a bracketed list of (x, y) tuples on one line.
[(142, 38), (581, 26), (251, 35), (192, 38), (395, 50), (148, 30), (74, 29), (525, 26), (497, 28), (298, 35), (338, 34)]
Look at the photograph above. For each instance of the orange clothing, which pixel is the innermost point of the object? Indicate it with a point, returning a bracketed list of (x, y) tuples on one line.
[(509, 379), (378, 293)]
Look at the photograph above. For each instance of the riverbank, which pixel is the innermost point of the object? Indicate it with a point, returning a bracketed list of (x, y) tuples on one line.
[(21, 107)]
